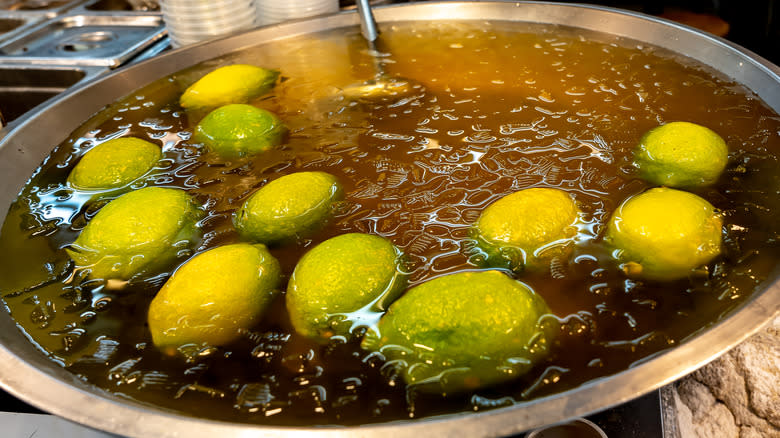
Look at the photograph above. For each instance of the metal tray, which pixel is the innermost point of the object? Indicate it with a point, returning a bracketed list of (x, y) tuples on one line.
[(118, 6), (49, 8), (80, 39), (13, 23), (23, 87)]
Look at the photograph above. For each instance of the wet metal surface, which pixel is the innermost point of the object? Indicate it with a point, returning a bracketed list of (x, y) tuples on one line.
[(13, 23), (23, 87), (85, 40)]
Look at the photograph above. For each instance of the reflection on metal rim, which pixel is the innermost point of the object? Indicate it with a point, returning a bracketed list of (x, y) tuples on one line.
[(29, 375), (577, 428)]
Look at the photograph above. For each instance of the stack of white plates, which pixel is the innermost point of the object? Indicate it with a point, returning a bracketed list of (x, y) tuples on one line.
[(275, 11), (190, 21)]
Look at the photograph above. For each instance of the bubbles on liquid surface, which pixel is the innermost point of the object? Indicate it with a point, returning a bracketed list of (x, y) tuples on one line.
[(497, 111)]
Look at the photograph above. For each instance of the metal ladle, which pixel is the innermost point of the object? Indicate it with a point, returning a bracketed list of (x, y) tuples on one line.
[(382, 85)]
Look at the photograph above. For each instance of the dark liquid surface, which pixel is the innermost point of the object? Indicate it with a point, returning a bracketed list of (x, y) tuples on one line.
[(500, 108)]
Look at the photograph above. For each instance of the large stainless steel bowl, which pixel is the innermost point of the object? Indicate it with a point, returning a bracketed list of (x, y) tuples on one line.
[(28, 374)]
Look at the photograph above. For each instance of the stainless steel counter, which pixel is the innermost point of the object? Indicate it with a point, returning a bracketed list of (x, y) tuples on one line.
[(49, 46)]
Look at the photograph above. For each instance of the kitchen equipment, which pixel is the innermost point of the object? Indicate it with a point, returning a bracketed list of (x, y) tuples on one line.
[(24, 86), (77, 39), (13, 23), (192, 21), (118, 6), (381, 85), (367, 21), (50, 8), (577, 428), (272, 11), (28, 374)]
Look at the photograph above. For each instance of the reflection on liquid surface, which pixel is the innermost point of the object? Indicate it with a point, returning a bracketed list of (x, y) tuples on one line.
[(499, 108)]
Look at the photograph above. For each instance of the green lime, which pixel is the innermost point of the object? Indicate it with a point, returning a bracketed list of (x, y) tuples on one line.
[(662, 234), (136, 233), (464, 331), (215, 295), (343, 282), (525, 230), (238, 130), (681, 154), (115, 163), (290, 207), (237, 83)]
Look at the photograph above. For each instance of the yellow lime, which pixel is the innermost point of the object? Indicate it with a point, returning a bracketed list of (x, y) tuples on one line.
[(115, 163), (681, 154), (138, 232), (238, 130), (663, 233), (215, 295), (237, 83), (464, 331), (343, 282), (525, 230), (290, 207)]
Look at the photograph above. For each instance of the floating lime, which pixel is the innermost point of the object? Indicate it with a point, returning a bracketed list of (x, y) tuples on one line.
[(115, 163), (215, 295), (463, 331), (293, 206), (239, 130), (525, 230), (681, 154), (662, 234), (139, 232), (343, 282), (237, 83)]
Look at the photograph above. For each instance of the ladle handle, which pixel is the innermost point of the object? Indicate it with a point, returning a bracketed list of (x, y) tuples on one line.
[(367, 22)]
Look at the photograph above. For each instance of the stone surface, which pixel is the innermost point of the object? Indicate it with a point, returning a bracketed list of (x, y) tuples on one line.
[(760, 358), (710, 418), (737, 395)]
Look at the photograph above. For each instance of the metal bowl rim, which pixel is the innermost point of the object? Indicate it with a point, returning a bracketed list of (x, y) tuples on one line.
[(44, 384)]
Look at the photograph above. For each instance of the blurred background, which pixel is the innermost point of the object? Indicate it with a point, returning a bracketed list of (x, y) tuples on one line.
[(754, 24)]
